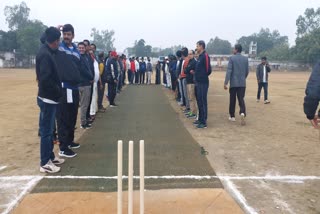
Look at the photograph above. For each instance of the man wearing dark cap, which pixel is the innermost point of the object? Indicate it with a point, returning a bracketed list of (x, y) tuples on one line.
[(69, 72), (49, 93)]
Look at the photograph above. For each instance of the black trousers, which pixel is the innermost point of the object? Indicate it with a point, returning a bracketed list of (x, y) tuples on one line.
[(67, 118), (202, 101), (237, 92), (142, 76), (136, 78), (263, 85), (158, 78), (100, 94), (112, 92)]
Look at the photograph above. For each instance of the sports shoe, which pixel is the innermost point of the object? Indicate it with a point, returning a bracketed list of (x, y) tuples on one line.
[(74, 145), (243, 121), (86, 126), (232, 119), (57, 161), (201, 126), (113, 105), (191, 115), (68, 153), (49, 168), (266, 102), (258, 100), (196, 122)]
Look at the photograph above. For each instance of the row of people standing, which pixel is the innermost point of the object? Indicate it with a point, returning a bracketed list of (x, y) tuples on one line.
[(138, 69)]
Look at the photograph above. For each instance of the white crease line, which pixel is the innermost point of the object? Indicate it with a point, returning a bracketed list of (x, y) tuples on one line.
[(292, 178), (239, 197), (28, 187), (2, 167)]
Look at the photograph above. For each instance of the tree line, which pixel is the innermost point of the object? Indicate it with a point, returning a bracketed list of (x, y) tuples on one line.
[(23, 36)]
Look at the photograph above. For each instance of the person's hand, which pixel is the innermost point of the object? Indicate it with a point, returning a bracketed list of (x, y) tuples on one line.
[(225, 87), (192, 72), (314, 122), (101, 87), (115, 81)]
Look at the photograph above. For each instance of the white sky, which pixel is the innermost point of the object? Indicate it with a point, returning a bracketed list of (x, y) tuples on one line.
[(168, 22)]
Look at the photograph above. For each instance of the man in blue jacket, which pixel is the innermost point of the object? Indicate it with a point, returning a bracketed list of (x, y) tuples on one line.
[(262, 74), (69, 67), (312, 98), (237, 72), (202, 72), (49, 93)]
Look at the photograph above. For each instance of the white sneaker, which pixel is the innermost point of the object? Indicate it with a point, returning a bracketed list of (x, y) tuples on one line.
[(232, 119), (258, 100), (266, 102), (49, 168), (243, 121), (58, 161)]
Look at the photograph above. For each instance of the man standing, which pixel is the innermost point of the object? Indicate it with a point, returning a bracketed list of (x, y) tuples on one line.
[(189, 71), (142, 70), (49, 93), (102, 84), (85, 86), (69, 73), (182, 77), (262, 73), (137, 74), (112, 73), (149, 71), (238, 70), (312, 98), (202, 72)]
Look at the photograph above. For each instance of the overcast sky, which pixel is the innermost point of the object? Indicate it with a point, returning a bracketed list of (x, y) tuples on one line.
[(168, 22)]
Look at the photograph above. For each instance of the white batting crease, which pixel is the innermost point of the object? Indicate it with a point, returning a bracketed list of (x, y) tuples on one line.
[(288, 178), (239, 197), (28, 187)]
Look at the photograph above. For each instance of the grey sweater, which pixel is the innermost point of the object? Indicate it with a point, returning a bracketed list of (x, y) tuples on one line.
[(237, 72)]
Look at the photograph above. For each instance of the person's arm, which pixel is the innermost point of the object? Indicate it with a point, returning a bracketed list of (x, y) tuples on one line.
[(45, 74), (228, 74), (268, 68), (247, 68), (257, 73)]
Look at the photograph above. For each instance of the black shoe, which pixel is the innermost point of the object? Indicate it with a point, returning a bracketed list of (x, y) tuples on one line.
[(74, 145), (68, 153), (197, 122), (202, 126)]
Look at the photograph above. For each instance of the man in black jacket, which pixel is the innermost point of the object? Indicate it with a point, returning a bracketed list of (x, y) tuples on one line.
[(85, 86), (262, 74), (190, 85), (49, 93), (312, 98), (112, 73), (69, 72)]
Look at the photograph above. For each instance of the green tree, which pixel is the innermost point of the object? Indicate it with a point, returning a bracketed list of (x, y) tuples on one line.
[(103, 40), (309, 22), (218, 46), (279, 53), (28, 37), (265, 39), (17, 16), (8, 41)]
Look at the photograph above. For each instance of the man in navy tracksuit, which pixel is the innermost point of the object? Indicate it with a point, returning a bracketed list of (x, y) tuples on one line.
[(68, 61), (312, 98), (202, 72), (112, 79), (49, 93)]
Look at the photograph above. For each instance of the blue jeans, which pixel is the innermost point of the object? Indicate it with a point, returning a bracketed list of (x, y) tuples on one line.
[(263, 85), (46, 126), (202, 101)]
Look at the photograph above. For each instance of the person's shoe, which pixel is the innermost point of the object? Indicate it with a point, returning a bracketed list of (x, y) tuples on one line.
[(57, 161), (85, 126), (258, 100), (232, 119), (192, 116), (196, 122), (49, 168), (266, 102), (243, 121), (201, 126), (74, 145), (68, 153), (113, 105), (101, 110)]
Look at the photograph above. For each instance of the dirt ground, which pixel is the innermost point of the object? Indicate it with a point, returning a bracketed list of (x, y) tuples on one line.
[(277, 140)]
